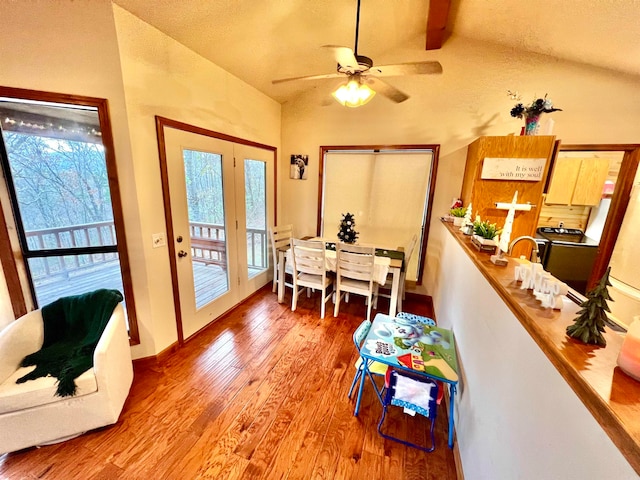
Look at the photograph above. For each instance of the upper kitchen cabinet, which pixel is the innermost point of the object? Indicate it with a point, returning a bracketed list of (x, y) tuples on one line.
[(577, 181)]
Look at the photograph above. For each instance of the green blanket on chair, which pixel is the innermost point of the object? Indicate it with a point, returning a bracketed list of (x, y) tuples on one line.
[(72, 328)]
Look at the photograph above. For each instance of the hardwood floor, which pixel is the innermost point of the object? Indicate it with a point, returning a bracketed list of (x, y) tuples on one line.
[(260, 394)]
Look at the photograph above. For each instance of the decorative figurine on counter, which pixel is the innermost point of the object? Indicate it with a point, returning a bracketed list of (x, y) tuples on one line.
[(527, 272), (505, 236), (549, 290), (589, 324), (467, 224), (546, 288)]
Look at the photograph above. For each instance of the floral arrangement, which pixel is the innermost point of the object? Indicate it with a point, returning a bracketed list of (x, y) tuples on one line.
[(458, 212), (537, 107), (485, 229)]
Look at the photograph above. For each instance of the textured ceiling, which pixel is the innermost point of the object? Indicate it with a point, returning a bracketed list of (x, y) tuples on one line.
[(262, 40)]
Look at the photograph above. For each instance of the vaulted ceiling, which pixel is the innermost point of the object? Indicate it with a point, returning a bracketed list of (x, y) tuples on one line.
[(262, 40)]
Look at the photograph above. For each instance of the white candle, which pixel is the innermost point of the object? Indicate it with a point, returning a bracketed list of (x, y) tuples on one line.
[(629, 357)]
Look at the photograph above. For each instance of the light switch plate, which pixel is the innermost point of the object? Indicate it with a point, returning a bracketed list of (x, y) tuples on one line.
[(158, 240)]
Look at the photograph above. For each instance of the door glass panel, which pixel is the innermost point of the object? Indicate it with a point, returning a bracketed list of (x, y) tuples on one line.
[(206, 210), (255, 185)]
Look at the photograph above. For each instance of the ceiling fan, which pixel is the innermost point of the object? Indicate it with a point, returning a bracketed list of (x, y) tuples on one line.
[(361, 73)]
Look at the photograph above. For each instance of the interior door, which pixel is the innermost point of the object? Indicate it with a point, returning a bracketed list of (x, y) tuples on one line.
[(218, 259)]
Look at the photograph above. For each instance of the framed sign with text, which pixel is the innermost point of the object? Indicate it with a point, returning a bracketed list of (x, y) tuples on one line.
[(523, 169)]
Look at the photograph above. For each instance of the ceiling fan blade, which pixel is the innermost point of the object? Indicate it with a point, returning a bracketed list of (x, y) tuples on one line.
[(389, 91), (411, 68), (344, 56), (309, 77)]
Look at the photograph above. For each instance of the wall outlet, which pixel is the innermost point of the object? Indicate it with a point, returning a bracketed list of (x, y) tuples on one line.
[(158, 240)]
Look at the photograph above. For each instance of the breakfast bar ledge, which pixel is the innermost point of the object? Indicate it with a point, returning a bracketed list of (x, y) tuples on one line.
[(532, 402)]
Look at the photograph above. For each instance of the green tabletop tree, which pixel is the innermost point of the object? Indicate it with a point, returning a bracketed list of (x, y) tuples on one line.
[(347, 232), (589, 324)]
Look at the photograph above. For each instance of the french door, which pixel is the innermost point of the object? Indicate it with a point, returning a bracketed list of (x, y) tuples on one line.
[(219, 198)]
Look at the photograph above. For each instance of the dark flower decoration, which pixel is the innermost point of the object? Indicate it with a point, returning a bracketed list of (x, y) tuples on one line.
[(537, 107)]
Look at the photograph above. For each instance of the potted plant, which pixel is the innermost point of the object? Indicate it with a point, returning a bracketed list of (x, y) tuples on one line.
[(458, 215), (485, 235)]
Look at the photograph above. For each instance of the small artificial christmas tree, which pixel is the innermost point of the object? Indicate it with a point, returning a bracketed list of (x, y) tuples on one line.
[(589, 324), (467, 218), (347, 232)]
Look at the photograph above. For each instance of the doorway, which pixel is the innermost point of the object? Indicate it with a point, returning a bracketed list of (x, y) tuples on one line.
[(219, 198)]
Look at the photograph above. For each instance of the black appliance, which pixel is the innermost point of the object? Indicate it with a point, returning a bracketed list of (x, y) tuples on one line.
[(568, 254)]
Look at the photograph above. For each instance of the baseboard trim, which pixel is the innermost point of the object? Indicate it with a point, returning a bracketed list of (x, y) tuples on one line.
[(154, 360)]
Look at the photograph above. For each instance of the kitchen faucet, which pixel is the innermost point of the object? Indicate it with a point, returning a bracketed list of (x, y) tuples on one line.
[(525, 237)]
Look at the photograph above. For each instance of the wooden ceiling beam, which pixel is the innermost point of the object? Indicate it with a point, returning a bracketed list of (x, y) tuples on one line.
[(436, 23)]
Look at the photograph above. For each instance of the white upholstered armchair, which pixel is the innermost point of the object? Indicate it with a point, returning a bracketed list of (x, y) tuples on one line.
[(31, 414)]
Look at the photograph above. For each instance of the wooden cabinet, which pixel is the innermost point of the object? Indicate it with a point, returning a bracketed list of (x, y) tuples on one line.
[(485, 192), (577, 181)]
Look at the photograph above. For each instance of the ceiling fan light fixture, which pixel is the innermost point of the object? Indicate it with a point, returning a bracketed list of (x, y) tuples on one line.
[(353, 94)]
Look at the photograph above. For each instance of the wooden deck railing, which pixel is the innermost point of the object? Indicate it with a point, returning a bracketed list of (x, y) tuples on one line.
[(257, 248), (86, 235), (208, 245)]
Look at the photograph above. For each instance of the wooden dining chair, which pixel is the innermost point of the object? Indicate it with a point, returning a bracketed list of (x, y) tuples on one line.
[(310, 271), (280, 242), (354, 274), (403, 274)]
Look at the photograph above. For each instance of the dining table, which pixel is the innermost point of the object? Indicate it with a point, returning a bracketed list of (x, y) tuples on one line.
[(413, 346), (387, 261)]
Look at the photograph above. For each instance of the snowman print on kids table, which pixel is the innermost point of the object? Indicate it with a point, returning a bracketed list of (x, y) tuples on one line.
[(408, 333), (414, 344)]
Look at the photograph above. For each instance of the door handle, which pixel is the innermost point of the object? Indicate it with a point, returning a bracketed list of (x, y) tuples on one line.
[(182, 253)]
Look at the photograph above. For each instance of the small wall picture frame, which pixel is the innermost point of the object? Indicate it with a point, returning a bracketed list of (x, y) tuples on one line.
[(299, 167)]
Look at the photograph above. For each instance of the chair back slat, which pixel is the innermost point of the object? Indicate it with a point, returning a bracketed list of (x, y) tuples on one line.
[(281, 236), (309, 256), (360, 333), (354, 261)]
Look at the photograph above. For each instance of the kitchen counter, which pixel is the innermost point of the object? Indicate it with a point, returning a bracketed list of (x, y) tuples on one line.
[(611, 397)]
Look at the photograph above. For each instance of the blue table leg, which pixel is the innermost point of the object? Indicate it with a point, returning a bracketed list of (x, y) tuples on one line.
[(361, 388), (452, 399)]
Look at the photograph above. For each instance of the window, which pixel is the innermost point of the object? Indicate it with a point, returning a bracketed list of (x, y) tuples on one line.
[(57, 158), (389, 190)]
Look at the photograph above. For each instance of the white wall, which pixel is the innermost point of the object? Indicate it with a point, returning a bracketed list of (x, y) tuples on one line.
[(516, 417), (467, 101), (73, 47)]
